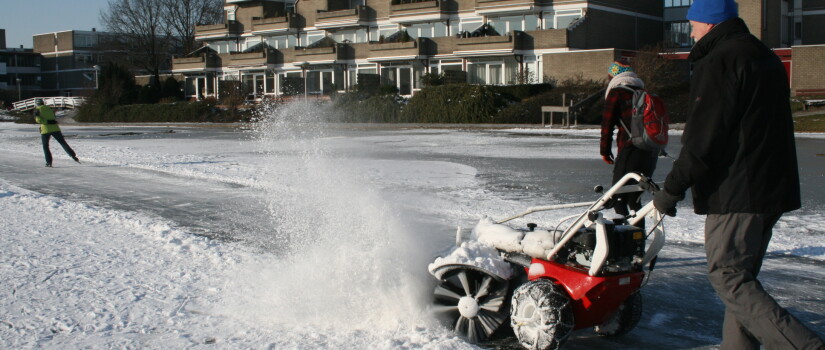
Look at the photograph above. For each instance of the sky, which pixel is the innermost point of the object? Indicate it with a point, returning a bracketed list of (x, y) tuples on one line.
[(24, 18)]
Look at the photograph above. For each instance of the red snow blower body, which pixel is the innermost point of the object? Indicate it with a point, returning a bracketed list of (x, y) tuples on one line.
[(549, 282)]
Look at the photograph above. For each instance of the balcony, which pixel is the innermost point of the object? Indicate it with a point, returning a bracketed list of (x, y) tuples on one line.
[(282, 24), (211, 31), (326, 54), (341, 18), (498, 6), (245, 59), (409, 50), (402, 11), (545, 39), (489, 44), (195, 63)]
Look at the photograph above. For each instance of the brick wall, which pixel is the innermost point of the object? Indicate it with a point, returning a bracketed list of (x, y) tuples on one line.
[(381, 8), (308, 9), (44, 43), (751, 12), (65, 41), (806, 69), (590, 64)]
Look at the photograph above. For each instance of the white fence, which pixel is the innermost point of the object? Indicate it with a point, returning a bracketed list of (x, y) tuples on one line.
[(59, 102)]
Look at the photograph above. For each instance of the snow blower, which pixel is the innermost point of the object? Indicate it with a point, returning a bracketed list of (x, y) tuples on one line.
[(548, 281)]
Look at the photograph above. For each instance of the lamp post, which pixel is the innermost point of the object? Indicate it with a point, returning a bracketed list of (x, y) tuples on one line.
[(19, 91), (304, 66), (97, 71)]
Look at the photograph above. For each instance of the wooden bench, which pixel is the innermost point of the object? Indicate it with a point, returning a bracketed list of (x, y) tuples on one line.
[(810, 97), (810, 92)]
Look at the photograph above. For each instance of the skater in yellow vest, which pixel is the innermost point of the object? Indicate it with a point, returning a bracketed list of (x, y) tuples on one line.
[(44, 116)]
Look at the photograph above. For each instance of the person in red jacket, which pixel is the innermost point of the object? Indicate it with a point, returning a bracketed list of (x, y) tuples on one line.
[(739, 158), (618, 107)]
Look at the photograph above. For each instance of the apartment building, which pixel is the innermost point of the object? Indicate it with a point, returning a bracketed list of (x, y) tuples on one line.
[(71, 60), (19, 69), (779, 23), (329, 43)]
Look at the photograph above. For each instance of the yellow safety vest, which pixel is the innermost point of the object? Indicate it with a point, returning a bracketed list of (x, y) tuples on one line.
[(46, 114)]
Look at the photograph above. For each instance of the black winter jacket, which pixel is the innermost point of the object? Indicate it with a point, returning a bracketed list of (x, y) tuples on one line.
[(738, 150)]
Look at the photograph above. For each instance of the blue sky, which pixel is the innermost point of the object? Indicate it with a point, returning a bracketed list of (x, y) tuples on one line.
[(23, 18)]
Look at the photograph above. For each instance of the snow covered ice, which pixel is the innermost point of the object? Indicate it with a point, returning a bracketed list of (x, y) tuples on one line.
[(301, 235)]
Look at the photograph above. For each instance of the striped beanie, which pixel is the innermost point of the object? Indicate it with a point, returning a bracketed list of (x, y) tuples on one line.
[(618, 68)]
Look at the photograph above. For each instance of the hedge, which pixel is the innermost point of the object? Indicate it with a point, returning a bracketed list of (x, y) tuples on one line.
[(181, 112)]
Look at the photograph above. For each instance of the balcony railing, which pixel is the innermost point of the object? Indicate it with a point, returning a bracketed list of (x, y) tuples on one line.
[(274, 24), (189, 63), (337, 18), (499, 5), (413, 48), (403, 8), (231, 28), (326, 53)]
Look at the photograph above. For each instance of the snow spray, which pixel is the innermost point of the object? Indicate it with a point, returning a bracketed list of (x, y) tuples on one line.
[(341, 258)]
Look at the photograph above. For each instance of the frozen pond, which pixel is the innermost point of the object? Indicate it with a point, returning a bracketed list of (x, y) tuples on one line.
[(373, 205)]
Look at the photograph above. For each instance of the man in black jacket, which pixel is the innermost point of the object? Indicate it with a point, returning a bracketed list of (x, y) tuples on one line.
[(739, 158)]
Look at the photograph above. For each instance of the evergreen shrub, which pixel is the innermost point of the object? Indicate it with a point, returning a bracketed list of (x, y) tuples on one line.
[(456, 103), (366, 108)]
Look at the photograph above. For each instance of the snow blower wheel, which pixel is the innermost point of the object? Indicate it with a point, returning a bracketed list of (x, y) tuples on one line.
[(472, 301), (541, 315), (624, 319)]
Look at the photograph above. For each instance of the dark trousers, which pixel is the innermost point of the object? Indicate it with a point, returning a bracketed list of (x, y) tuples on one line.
[(632, 159), (736, 245), (59, 137)]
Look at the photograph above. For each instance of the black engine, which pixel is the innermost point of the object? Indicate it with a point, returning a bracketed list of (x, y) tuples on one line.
[(626, 248)]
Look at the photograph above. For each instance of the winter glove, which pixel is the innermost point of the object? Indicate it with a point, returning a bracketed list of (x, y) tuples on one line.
[(608, 158), (665, 202)]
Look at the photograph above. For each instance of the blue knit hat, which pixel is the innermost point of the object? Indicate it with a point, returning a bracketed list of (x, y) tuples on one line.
[(618, 68), (712, 11)]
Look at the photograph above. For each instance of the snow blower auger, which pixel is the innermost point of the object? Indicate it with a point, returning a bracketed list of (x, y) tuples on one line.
[(550, 282)]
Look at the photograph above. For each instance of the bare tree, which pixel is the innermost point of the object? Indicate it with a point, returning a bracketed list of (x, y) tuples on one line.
[(181, 16), (655, 69), (139, 25)]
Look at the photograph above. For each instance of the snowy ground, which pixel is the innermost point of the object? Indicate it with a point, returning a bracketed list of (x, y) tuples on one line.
[(295, 235)]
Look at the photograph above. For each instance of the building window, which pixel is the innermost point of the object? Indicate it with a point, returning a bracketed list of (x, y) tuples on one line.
[(420, 30), (353, 36), (470, 24), (507, 24), (678, 3), (386, 30), (564, 18), (307, 38), (252, 42), (677, 34), (85, 40), (84, 58), (440, 29), (278, 42), (223, 46)]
